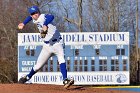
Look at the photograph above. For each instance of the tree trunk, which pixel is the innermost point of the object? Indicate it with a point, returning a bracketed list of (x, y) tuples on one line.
[(80, 15)]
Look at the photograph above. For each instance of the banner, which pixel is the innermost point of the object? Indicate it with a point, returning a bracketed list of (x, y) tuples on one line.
[(92, 58)]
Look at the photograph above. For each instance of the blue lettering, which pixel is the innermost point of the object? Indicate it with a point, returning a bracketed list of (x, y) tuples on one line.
[(91, 37), (83, 38), (39, 39), (101, 38), (73, 38), (114, 39), (36, 79), (23, 39), (110, 37), (31, 38), (88, 78), (95, 37), (121, 36), (78, 38), (68, 38), (106, 37), (41, 79), (28, 38), (53, 78)]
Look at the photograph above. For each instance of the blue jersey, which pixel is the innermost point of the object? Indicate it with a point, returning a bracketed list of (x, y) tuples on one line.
[(49, 18), (45, 19)]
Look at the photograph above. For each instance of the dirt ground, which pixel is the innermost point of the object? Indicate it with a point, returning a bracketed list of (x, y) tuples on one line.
[(43, 88)]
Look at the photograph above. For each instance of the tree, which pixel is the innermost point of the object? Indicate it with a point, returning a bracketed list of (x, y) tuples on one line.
[(13, 13), (79, 23)]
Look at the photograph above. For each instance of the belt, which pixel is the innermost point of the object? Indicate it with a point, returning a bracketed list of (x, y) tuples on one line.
[(54, 40)]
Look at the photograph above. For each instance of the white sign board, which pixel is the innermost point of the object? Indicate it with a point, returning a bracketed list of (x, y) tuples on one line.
[(92, 58)]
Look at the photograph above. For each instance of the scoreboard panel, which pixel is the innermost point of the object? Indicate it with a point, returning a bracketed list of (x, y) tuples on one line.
[(98, 58)]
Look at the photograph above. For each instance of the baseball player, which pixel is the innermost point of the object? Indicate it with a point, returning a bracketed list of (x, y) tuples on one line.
[(52, 44)]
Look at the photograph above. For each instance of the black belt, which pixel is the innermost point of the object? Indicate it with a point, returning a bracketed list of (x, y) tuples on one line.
[(54, 40)]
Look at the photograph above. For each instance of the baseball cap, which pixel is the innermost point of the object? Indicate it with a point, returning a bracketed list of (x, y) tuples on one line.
[(33, 9)]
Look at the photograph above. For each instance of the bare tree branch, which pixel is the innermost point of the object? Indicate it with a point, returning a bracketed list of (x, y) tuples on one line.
[(71, 21), (3, 75)]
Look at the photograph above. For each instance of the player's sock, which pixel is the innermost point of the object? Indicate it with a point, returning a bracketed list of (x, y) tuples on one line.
[(63, 70), (32, 72)]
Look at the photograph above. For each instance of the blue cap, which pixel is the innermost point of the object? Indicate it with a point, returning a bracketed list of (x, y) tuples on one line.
[(33, 9)]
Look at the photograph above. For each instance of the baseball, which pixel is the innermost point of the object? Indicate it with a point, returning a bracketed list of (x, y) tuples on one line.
[(20, 26)]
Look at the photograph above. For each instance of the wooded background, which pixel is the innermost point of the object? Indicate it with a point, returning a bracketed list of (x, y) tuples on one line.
[(70, 16)]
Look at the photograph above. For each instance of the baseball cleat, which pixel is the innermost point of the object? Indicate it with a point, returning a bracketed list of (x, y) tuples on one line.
[(67, 83), (22, 80)]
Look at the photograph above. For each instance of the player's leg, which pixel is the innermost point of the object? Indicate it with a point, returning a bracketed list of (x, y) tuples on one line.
[(42, 59), (60, 55)]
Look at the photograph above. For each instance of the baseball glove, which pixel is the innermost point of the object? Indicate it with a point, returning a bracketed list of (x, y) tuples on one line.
[(44, 31), (43, 34)]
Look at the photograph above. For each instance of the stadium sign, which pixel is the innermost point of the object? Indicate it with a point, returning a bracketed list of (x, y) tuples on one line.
[(92, 58)]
